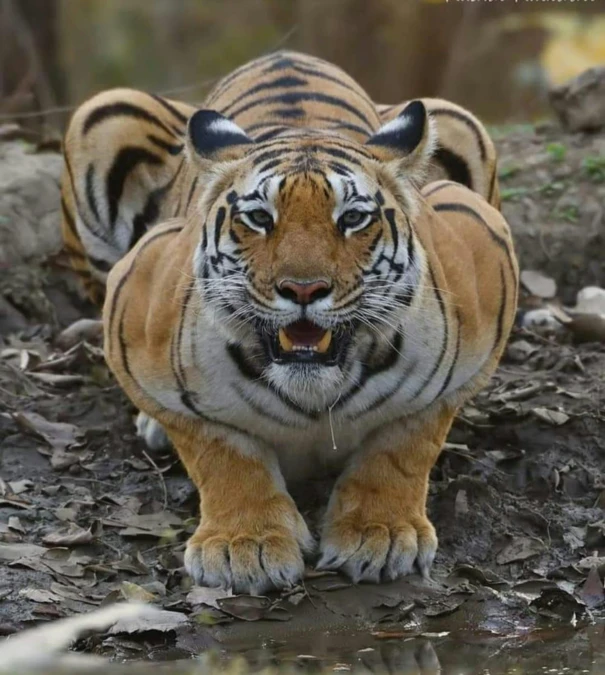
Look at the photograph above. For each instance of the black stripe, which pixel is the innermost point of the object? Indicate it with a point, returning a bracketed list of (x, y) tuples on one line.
[(151, 211), (271, 164), (286, 82), (389, 214), (101, 265), (126, 160), (170, 148), (467, 210), (450, 372), (383, 398), (247, 370), (163, 102), (492, 186), (369, 371), (272, 133), (436, 188), (503, 299), (294, 97), (122, 343), (338, 124), (288, 113), (259, 410), (242, 70), (455, 166), (90, 194), (122, 109), (191, 191), (175, 346), (243, 365), (126, 275), (465, 120), (445, 342), (218, 224), (303, 67), (259, 125)]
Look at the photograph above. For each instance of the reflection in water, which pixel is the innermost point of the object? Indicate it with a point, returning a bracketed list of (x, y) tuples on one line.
[(557, 651)]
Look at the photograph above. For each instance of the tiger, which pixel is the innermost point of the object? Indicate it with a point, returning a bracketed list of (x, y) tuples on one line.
[(297, 283)]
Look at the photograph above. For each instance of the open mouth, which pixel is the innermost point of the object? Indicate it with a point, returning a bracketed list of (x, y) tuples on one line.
[(306, 342)]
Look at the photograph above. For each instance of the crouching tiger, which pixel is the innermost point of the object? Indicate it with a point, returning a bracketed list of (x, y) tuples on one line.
[(308, 303)]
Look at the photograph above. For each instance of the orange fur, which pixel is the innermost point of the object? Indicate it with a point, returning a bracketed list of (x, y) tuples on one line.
[(167, 345)]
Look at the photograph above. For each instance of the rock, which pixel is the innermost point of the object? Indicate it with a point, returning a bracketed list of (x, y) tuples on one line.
[(541, 321), (520, 350), (591, 300), (580, 103), (538, 284), (29, 203)]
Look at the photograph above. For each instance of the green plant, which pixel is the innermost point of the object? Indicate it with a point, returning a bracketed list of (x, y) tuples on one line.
[(557, 151), (513, 194), (569, 213), (553, 188), (594, 168), (508, 171)]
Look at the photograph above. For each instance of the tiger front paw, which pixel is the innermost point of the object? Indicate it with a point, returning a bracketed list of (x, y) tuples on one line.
[(378, 550), (251, 557)]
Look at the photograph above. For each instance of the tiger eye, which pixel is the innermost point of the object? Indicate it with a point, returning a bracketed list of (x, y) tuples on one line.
[(260, 217), (352, 218)]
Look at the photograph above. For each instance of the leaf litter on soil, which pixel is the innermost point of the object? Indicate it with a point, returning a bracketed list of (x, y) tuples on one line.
[(516, 497)]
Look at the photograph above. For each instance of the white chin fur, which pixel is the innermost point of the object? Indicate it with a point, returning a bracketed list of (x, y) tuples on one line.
[(308, 386)]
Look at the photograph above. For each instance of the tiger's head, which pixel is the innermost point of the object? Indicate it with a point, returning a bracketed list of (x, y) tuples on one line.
[(307, 255)]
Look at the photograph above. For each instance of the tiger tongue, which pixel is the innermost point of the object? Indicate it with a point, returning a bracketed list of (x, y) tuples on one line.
[(304, 335)]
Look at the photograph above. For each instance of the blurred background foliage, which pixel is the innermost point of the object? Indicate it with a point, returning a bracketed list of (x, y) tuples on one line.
[(496, 57)]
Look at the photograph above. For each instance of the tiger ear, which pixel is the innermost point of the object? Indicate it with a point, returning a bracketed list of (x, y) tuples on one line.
[(407, 141), (211, 136)]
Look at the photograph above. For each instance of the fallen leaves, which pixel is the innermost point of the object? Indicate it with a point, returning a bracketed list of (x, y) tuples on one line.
[(156, 620), (56, 434), (73, 535), (520, 548)]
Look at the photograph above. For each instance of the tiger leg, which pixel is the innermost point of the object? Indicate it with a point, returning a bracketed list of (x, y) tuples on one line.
[(251, 536), (376, 525)]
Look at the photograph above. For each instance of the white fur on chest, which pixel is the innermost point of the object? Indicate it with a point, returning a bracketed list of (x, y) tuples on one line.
[(316, 443)]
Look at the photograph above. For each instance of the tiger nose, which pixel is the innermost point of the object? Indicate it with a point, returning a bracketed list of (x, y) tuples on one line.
[(303, 292)]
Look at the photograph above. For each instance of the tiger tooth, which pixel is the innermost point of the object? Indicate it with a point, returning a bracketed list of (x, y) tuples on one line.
[(324, 343), (284, 341)]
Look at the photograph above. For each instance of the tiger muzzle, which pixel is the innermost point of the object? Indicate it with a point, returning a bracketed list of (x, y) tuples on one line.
[(306, 342)]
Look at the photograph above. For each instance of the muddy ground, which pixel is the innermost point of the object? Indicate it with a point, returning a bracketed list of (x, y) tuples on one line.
[(88, 516)]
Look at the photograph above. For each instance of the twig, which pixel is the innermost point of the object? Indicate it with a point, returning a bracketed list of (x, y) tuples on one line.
[(160, 476)]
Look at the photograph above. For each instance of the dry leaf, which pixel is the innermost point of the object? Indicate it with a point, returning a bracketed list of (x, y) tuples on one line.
[(554, 417), (131, 591), (58, 435), (19, 486), (11, 552), (72, 535), (520, 548), (159, 620), (15, 524), (592, 590), (252, 608), (200, 595), (39, 595)]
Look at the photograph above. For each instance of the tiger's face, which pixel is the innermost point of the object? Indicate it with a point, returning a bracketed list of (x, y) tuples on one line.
[(307, 254)]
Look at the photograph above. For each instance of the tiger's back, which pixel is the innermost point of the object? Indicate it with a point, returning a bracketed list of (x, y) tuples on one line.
[(124, 149)]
